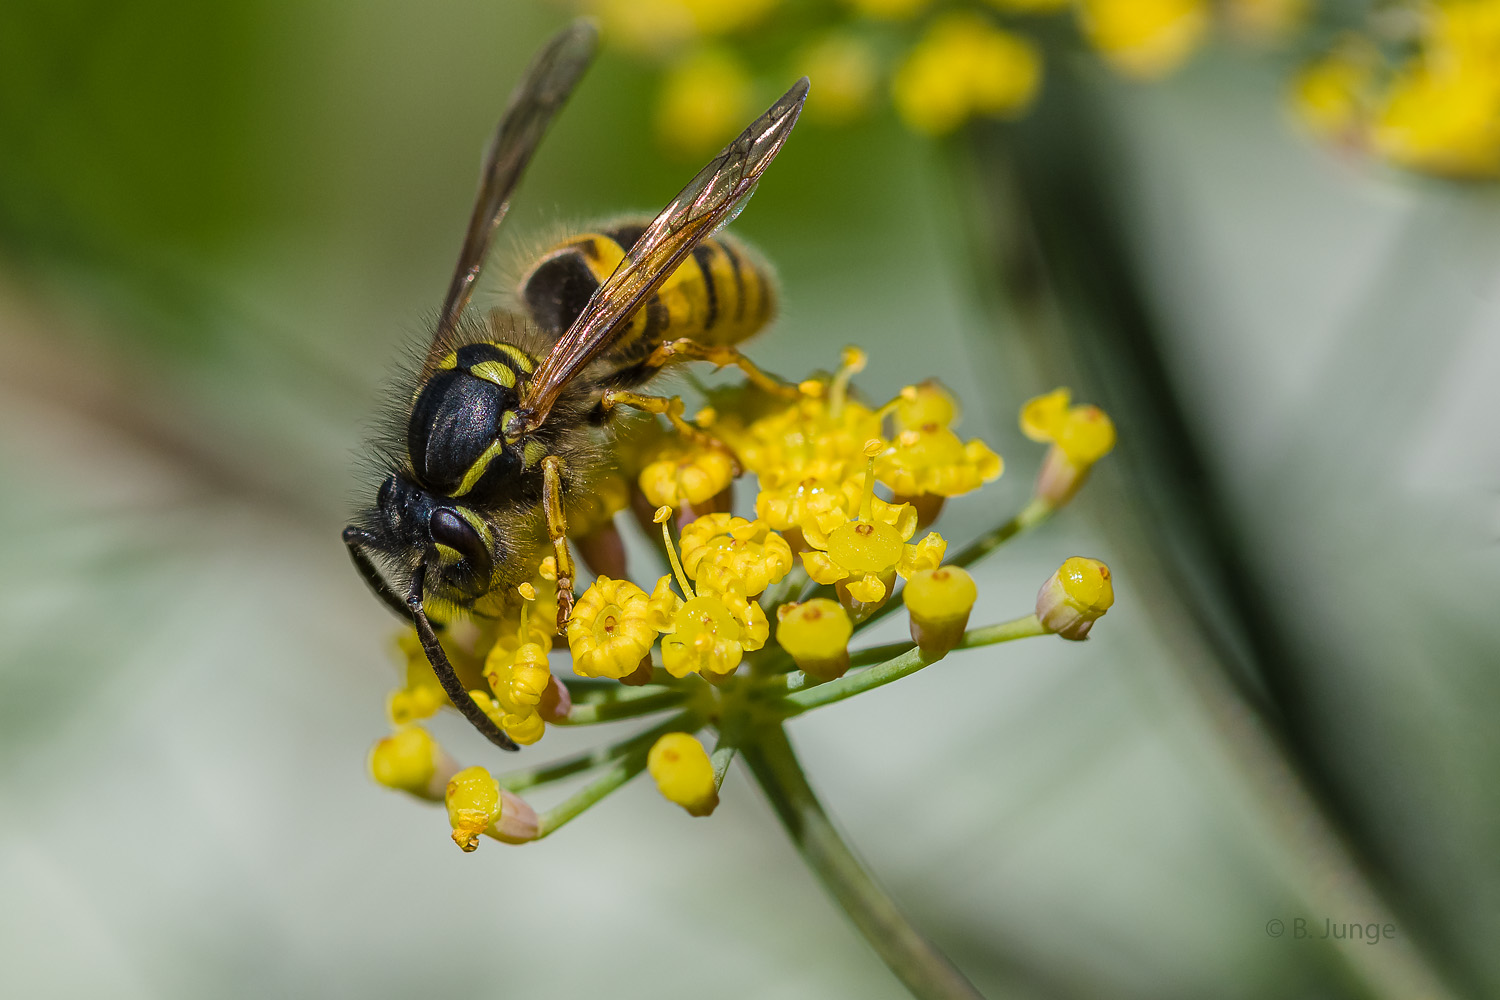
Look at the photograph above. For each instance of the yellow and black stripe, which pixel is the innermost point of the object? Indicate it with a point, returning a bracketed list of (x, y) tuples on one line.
[(722, 295)]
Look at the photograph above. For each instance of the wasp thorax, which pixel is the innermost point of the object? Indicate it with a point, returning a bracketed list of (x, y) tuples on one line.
[(455, 433)]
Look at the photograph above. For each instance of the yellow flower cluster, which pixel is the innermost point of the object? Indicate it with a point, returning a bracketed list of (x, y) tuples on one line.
[(1437, 111), (819, 453)]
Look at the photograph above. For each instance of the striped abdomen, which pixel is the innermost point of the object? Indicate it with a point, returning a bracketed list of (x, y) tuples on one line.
[(722, 294)]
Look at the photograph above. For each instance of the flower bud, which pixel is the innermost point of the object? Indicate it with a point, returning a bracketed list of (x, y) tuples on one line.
[(816, 635), (683, 773), (411, 760), (477, 804), (557, 702), (1075, 597), (939, 601)]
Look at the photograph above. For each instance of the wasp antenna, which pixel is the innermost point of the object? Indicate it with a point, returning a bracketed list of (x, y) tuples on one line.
[(444, 669)]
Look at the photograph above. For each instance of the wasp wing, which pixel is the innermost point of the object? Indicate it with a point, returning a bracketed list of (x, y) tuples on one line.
[(711, 199), (549, 80)]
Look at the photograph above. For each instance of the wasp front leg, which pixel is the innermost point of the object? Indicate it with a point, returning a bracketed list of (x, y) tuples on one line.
[(719, 356), (557, 531)]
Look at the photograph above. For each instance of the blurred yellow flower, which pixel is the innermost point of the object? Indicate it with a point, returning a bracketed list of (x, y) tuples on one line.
[(1266, 21), (843, 71), (1442, 111), (889, 10), (965, 66), (1331, 95), (925, 406), (1144, 38), (410, 760), (705, 100), (1031, 6), (652, 26), (1080, 436)]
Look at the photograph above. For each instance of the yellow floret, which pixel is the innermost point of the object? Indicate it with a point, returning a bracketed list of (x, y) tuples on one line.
[(680, 472), (724, 554), (473, 802), (1085, 434), (612, 629), (683, 773), (406, 760), (937, 462), (816, 635), (939, 601)]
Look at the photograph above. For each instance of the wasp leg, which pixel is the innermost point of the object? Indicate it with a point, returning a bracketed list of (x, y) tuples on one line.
[(670, 407), (719, 356), (446, 676), (557, 531), (356, 540)]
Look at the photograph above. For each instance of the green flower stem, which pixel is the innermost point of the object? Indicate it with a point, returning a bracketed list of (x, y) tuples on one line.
[(629, 703), (915, 961), (586, 689), (721, 758), (1033, 514), (524, 778), (877, 654), (803, 696), (630, 760)]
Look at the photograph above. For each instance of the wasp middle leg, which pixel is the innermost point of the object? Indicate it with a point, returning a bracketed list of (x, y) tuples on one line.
[(719, 356), (670, 407)]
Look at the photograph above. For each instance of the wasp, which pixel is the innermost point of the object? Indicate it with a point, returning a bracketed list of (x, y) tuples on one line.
[(506, 426)]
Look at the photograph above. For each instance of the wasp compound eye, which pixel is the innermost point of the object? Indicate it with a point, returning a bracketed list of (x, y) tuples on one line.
[(450, 529)]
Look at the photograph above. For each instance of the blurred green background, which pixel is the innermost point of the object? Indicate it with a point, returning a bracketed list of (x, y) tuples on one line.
[(219, 226)]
